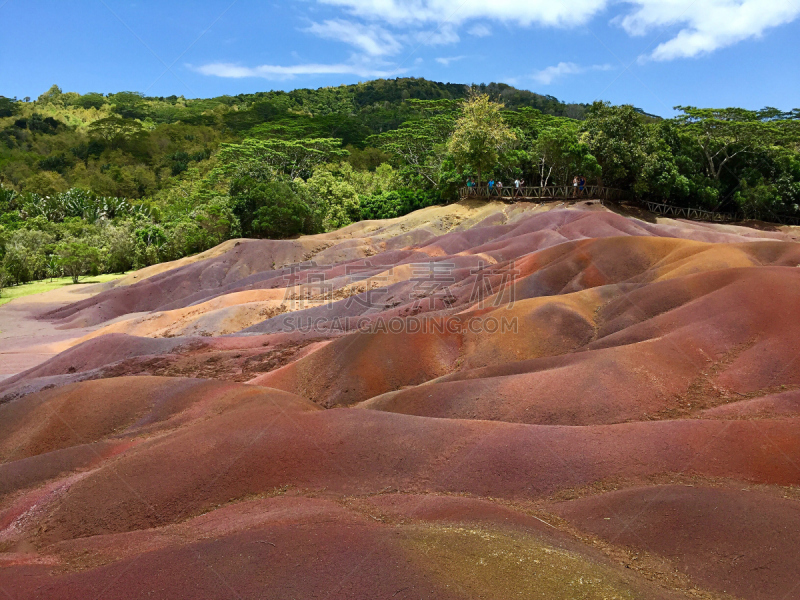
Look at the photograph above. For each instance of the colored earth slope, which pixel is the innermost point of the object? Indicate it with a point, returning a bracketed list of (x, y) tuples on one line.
[(480, 400)]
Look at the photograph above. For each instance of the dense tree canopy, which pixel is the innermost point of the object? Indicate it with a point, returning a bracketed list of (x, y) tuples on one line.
[(78, 259), (481, 137), (139, 180)]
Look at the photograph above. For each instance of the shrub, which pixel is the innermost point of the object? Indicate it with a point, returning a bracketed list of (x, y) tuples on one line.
[(389, 205), (78, 260)]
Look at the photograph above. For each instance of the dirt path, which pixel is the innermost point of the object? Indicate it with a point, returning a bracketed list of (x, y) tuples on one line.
[(25, 340)]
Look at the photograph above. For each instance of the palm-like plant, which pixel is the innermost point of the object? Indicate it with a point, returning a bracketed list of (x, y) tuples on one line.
[(82, 204)]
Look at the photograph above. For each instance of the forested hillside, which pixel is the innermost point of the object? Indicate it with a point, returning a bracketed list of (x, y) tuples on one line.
[(112, 182)]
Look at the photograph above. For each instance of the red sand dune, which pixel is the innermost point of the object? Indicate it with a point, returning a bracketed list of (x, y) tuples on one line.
[(281, 443), (737, 541), (648, 353), (304, 548), (548, 460)]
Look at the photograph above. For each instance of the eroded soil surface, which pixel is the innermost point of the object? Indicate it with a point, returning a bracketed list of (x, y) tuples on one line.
[(482, 400)]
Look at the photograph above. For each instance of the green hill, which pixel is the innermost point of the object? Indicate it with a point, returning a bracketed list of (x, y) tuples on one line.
[(147, 179)]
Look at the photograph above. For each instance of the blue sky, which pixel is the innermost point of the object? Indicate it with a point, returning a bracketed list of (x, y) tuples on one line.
[(652, 53)]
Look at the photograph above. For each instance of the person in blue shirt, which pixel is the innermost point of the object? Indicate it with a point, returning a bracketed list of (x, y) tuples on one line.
[(491, 187)]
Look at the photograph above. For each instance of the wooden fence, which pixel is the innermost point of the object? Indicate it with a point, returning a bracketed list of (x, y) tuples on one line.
[(593, 192), (694, 214), (598, 192), (785, 220), (697, 214)]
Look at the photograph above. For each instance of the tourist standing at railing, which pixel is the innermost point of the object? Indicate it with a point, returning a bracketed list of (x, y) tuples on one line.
[(517, 187), (499, 186), (575, 186), (581, 184), (470, 187), (491, 187)]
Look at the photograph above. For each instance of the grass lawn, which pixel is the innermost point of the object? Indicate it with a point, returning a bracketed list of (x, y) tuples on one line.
[(39, 287)]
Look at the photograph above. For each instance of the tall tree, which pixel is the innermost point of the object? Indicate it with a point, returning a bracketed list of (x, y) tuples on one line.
[(8, 107), (559, 154), (420, 145), (616, 136), (292, 158), (114, 130), (724, 134), (481, 136), (78, 259)]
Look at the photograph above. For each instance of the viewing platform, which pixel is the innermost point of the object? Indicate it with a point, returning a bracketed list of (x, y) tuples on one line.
[(550, 192), (602, 193)]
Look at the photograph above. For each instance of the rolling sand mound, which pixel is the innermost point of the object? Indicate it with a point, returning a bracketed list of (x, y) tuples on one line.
[(90, 355), (352, 453), (481, 400), (70, 415), (661, 351), (245, 264), (263, 548), (738, 541), (664, 337)]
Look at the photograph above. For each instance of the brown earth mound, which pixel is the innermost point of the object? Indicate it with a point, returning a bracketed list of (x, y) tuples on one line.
[(737, 541), (342, 451), (670, 349), (522, 402), (291, 547)]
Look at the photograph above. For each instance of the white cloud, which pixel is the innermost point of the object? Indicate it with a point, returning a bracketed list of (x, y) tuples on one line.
[(234, 71), (382, 28), (442, 36), (446, 60), (563, 69), (708, 25), (372, 39), (479, 30), (550, 74), (376, 41), (704, 25), (526, 12)]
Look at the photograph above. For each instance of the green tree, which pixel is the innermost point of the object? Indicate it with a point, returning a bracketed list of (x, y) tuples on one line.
[(389, 205), (282, 214), (559, 155), (335, 199), (78, 259), (616, 136), (481, 136), (90, 100), (217, 219), (17, 264), (115, 130), (129, 105), (4, 280), (118, 246), (26, 254), (383, 179), (51, 96), (264, 158), (420, 145), (271, 209), (724, 134), (8, 107), (52, 267), (3, 241)]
